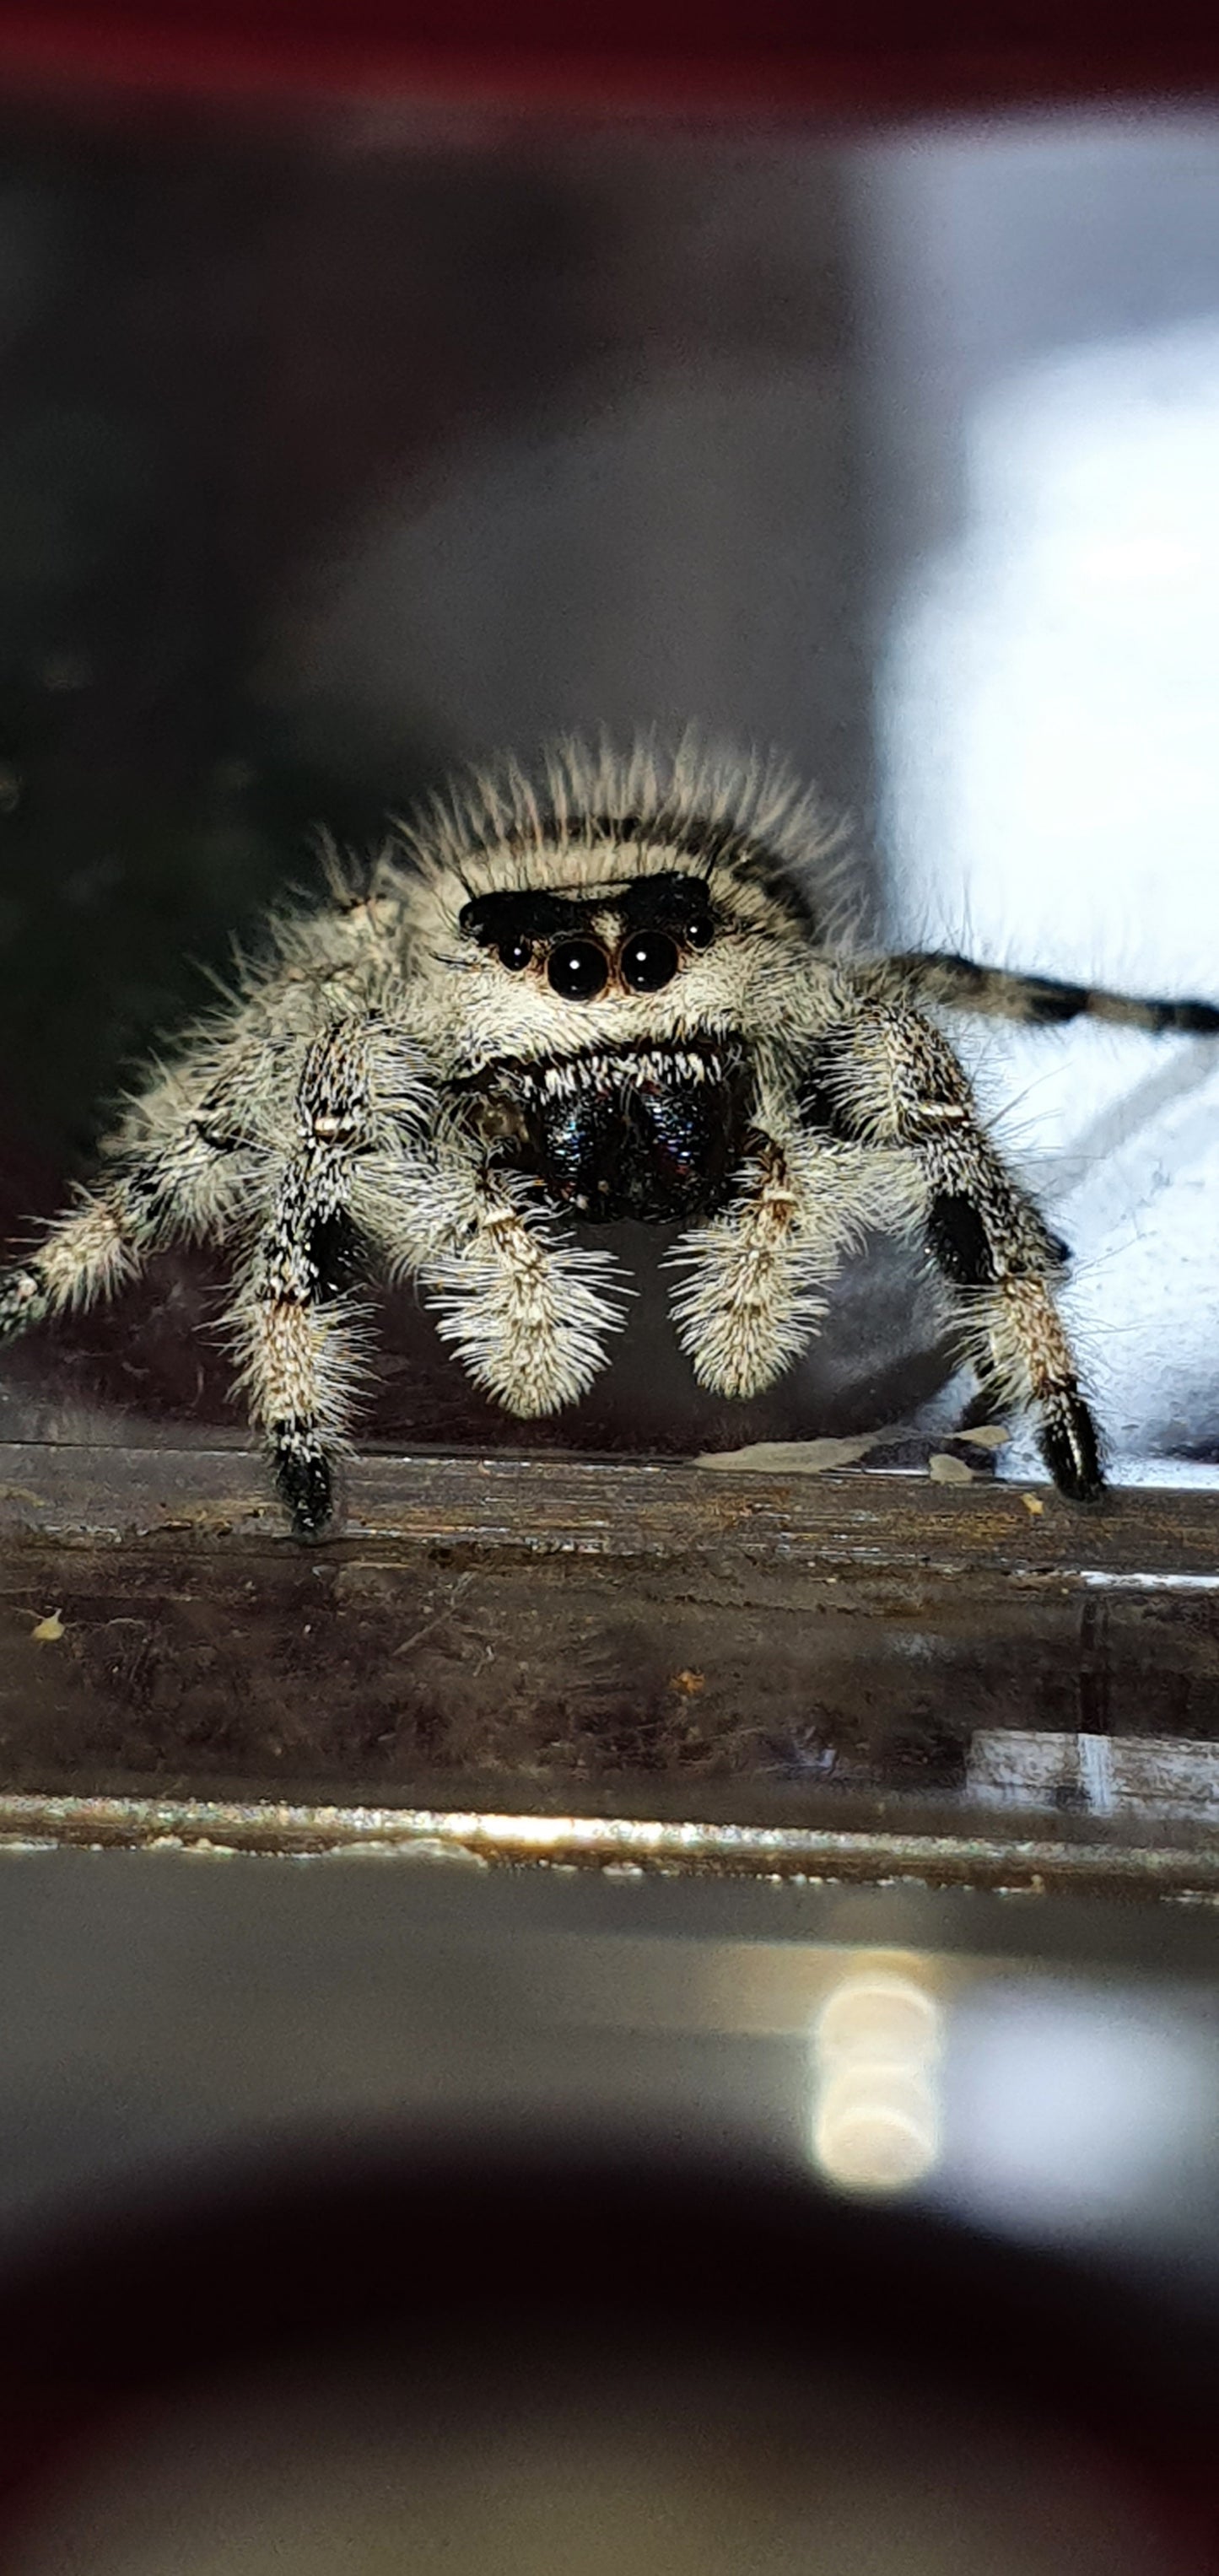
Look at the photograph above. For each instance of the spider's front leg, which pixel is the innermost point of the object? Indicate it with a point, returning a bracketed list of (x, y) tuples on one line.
[(295, 1329), (893, 1079), (753, 1291)]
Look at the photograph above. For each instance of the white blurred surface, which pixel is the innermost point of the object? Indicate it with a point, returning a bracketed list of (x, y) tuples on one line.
[(1047, 690)]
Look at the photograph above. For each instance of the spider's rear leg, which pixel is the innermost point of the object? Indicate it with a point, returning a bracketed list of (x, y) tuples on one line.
[(85, 1254), (896, 1078), (1044, 1001), (174, 1178), (753, 1293)]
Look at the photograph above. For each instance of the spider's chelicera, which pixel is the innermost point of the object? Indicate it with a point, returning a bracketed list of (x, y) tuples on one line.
[(616, 990)]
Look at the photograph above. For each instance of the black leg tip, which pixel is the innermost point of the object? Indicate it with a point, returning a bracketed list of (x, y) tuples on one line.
[(304, 1481), (1070, 1449)]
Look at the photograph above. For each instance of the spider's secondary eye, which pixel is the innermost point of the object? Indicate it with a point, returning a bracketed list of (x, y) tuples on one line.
[(701, 931), (578, 970), (649, 961), (514, 953)]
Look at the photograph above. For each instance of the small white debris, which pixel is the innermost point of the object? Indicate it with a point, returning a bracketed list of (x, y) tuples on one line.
[(943, 1469), (791, 1457)]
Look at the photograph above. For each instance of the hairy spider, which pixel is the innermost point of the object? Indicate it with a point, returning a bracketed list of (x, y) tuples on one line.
[(616, 990)]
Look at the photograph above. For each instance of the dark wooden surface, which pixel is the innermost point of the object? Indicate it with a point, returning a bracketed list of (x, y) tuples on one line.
[(631, 1661)]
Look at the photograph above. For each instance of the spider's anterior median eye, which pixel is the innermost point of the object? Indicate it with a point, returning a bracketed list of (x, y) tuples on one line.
[(578, 970), (649, 961), (514, 953)]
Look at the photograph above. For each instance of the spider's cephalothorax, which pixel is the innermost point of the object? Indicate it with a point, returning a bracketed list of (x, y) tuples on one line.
[(651, 1127), (618, 989)]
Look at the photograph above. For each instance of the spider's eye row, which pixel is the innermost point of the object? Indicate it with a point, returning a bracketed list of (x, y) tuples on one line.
[(649, 961), (578, 969)]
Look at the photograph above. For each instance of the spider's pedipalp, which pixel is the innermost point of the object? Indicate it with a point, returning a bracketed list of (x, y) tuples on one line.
[(753, 1293), (527, 1313)]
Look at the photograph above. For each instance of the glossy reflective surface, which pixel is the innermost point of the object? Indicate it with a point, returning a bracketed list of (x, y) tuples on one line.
[(1045, 2068)]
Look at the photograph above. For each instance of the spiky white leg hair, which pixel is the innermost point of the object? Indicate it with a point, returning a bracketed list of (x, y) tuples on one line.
[(169, 1182), (753, 1293), (527, 1314)]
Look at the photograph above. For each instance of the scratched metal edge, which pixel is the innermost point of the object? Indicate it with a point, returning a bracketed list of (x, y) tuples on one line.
[(273, 1829)]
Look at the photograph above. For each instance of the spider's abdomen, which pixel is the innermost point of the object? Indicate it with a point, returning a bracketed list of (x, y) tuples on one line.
[(654, 1134)]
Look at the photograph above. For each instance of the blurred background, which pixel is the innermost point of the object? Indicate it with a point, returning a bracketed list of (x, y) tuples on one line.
[(338, 447), (348, 2377), (341, 446), (1048, 2069)]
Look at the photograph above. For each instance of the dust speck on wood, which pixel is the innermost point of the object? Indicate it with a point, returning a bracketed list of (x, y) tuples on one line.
[(793, 1457), (944, 1469)]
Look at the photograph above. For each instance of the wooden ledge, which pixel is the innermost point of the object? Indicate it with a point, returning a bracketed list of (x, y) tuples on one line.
[(855, 1675), (624, 1509)]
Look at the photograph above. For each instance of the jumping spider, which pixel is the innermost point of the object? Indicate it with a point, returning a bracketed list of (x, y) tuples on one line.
[(613, 991)]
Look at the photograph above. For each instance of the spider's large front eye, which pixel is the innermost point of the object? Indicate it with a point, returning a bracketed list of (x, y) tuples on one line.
[(514, 953), (578, 970), (649, 961)]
